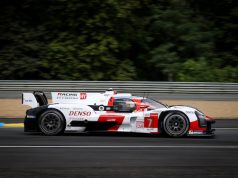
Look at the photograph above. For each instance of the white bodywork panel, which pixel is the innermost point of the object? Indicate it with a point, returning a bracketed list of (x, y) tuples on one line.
[(188, 111), (85, 98)]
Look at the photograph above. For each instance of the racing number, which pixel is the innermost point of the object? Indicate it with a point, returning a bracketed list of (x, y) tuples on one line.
[(152, 121), (149, 122)]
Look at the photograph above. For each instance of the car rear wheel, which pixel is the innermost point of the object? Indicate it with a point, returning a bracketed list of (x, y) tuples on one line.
[(51, 123), (175, 124)]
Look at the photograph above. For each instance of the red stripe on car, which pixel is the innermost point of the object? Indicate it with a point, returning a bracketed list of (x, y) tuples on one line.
[(112, 118)]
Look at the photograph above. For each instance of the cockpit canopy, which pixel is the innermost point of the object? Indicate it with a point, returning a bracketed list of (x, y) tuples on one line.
[(130, 104), (124, 105)]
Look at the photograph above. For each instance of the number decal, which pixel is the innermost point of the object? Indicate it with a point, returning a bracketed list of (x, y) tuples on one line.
[(150, 120)]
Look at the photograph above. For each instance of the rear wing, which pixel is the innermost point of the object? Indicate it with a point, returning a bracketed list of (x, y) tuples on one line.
[(35, 99)]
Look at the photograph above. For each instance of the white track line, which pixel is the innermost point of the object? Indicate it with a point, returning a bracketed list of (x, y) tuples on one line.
[(110, 146)]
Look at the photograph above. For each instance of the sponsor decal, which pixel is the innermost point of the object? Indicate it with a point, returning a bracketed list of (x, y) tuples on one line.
[(61, 95), (190, 112), (195, 132), (83, 96), (64, 108), (28, 101), (67, 94), (139, 124), (79, 113), (118, 119), (147, 114), (80, 119)]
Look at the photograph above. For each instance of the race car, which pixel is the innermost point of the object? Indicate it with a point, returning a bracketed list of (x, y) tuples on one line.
[(111, 112)]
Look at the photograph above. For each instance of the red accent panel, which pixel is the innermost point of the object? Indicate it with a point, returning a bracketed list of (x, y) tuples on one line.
[(152, 121), (195, 126), (110, 101), (138, 103), (112, 118)]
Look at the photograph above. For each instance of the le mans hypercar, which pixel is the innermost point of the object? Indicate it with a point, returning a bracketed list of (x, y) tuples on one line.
[(111, 112)]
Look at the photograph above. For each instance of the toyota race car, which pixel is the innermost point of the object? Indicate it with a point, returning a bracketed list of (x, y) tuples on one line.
[(111, 112)]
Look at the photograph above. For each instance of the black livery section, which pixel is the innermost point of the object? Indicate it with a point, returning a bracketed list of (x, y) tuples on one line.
[(31, 119), (94, 125)]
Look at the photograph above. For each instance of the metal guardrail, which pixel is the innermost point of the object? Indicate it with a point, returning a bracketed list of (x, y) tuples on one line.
[(121, 86)]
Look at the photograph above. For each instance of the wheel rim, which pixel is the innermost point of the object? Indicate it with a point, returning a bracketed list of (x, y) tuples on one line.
[(176, 124), (50, 123)]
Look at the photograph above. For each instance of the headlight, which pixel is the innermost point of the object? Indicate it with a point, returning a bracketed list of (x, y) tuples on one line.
[(201, 119)]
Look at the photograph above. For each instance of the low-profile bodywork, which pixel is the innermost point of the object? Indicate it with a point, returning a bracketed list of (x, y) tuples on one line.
[(112, 112)]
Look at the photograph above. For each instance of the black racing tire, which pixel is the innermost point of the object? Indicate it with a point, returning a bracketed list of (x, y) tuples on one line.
[(51, 122), (175, 124)]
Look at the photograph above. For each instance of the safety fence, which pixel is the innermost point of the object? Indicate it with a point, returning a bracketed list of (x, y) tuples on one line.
[(121, 86)]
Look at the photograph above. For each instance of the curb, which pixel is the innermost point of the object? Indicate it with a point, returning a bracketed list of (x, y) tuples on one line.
[(11, 125)]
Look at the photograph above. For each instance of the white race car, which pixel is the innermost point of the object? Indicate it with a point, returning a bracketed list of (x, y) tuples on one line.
[(111, 112)]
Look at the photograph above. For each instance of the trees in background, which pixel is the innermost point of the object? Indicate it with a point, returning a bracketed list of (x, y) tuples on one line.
[(170, 40)]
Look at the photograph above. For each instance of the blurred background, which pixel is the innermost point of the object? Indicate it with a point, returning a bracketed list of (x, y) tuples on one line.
[(121, 40), (163, 40)]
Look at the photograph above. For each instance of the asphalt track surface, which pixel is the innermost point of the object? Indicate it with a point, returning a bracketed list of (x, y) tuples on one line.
[(119, 155)]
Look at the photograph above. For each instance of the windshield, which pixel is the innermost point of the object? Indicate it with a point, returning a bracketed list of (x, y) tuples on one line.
[(153, 104)]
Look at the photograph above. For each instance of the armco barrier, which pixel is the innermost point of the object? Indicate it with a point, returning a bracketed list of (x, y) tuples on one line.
[(124, 86)]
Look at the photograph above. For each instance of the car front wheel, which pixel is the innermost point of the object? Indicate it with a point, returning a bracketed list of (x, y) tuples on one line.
[(175, 124)]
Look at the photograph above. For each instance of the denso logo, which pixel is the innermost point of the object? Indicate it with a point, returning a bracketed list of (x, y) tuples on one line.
[(79, 113), (67, 94)]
